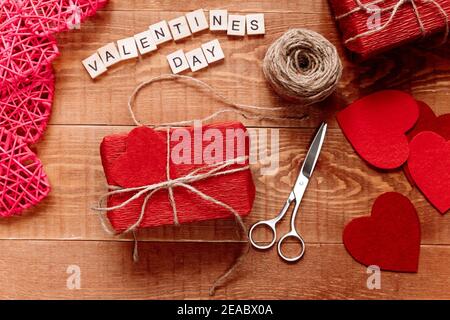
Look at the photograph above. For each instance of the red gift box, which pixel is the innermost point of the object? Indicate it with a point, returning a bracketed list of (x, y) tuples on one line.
[(140, 158), (369, 27)]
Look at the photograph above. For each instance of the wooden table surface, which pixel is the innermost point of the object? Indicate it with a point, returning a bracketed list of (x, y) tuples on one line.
[(38, 248)]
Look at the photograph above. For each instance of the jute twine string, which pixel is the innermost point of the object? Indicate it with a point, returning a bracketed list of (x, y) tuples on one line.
[(394, 10), (200, 174), (303, 66)]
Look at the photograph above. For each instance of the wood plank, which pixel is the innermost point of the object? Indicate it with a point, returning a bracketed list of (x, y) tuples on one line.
[(79, 100), (83, 101), (342, 187), (186, 270), (252, 6)]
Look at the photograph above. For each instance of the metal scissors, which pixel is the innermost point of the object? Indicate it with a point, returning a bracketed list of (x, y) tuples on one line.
[(296, 196)]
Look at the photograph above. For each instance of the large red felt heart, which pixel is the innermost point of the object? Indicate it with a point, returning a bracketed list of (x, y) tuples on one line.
[(429, 165), (428, 121), (389, 238), (376, 125), (23, 182)]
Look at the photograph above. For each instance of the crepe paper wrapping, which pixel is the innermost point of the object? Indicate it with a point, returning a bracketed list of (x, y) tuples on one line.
[(27, 50), (23, 182), (428, 121), (139, 159), (399, 22), (429, 165), (376, 125), (389, 238)]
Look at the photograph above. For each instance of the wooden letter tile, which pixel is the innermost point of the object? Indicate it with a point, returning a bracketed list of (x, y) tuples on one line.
[(213, 51), (145, 42), (218, 20), (160, 32), (179, 28), (109, 54), (236, 25), (94, 65), (127, 48), (255, 24), (177, 61), (197, 20), (196, 59)]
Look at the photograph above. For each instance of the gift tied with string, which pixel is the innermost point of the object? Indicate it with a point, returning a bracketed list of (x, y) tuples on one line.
[(369, 27), (149, 186)]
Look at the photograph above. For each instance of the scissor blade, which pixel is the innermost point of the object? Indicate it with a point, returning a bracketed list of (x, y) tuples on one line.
[(314, 151)]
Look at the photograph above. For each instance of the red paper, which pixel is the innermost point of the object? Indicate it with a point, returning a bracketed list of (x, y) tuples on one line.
[(404, 27), (139, 159), (376, 125), (389, 238), (429, 165)]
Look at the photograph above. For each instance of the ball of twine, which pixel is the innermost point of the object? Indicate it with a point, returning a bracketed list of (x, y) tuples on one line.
[(303, 66)]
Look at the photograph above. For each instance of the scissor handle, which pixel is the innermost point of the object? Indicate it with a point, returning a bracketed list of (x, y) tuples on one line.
[(271, 225), (291, 234)]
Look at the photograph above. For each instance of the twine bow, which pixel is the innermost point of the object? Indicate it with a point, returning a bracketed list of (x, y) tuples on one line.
[(394, 10)]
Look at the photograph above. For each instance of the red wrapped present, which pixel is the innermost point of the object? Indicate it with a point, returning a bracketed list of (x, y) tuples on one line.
[(369, 27), (206, 176)]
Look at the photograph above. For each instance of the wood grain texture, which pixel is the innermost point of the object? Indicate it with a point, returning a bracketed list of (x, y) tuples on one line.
[(182, 262), (186, 270)]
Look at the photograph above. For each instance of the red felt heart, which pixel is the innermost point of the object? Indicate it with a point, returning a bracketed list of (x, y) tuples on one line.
[(23, 182), (389, 238), (376, 125), (429, 165), (145, 146), (428, 121)]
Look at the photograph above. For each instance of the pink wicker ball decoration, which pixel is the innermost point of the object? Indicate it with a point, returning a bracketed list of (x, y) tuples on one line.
[(27, 84), (22, 178)]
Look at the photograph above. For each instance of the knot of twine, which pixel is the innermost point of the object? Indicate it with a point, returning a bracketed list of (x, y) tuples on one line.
[(303, 66), (394, 10)]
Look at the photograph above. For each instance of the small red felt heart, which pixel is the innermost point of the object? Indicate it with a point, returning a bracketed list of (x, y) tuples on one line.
[(23, 182), (428, 121), (144, 161), (376, 125), (429, 165), (389, 238)]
